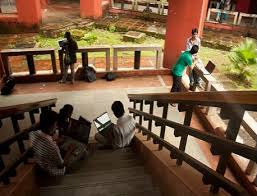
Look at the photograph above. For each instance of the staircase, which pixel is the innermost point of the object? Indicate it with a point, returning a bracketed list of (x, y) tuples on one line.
[(105, 172)]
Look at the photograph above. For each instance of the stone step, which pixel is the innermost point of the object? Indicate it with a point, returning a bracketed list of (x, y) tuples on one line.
[(95, 176), (112, 154), (100, 165), (129, 186)]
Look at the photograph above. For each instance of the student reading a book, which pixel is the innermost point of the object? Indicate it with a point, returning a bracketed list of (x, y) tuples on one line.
[(121, 133)]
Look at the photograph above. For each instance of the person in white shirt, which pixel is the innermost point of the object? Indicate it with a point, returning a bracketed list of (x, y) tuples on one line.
[(191, 41), (121, 133)]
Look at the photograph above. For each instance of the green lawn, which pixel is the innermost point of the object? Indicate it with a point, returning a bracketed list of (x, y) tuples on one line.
[(100, 37)]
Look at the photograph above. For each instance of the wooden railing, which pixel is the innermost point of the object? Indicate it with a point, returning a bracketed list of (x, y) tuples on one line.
[(137, 56), (84, 55), (16, 113), (213, 10), (29, 53), (159, 5), (248, 123), (233, 104), (84, 51)]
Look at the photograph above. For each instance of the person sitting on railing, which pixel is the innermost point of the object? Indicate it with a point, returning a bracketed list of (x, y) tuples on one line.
[(120, 134), (193, 40), (70, 48), (47, 153), (185, 60)]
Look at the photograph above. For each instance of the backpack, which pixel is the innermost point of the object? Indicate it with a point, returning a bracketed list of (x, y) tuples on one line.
[(8, 86), (110, 76), (90, 74)]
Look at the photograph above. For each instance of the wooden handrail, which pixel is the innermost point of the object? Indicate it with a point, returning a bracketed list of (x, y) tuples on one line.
[(11, 170), (4, 145), (217, 142), (209, 176), (26, 107), (245, 99)]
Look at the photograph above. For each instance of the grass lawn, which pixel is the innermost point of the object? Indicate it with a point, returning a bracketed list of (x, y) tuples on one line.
[(99, 37)]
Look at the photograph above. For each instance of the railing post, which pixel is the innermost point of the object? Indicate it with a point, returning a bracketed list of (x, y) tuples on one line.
[(209, 14), (108, 60), (60, 54), (122, 5), (163, 127), (250, 165), (134, 106), (53, 59), (84, 56), (16, 128), (32, 117), (236, 117), (137, 58), (141, 109), (115, 59), (31, 64), (183, 140), (2, 166), (235, 18), (150, 122), (158, 59), (7, 68)]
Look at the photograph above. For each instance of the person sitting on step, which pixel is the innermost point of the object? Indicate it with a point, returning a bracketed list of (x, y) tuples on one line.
[(46, 152), (120, 134), (64, 139)]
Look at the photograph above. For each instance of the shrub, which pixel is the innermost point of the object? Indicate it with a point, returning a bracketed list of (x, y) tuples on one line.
[(77, 34), (90, 38), (244, 60), (112, 28)]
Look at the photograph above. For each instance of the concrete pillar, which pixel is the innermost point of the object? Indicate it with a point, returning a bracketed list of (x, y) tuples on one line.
[(183, 16), (29, 12), (243, 6), (44, 3), (91, 8)]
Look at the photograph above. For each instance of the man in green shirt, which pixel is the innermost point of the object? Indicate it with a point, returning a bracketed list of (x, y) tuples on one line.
[(185, 60)]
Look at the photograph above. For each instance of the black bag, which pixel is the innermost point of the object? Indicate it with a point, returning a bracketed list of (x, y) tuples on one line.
[(9, 84), (67, 59), (110, 76), (90, 74)]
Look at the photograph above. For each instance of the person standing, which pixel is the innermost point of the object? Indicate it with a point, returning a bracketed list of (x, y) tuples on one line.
[(191, 41), (185, 60), (70, 48)]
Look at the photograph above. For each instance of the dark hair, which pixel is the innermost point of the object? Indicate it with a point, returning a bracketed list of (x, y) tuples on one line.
[(47, 120), (194, 49), (67, 109), (194, 31), (118, 109), (68, 35)]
